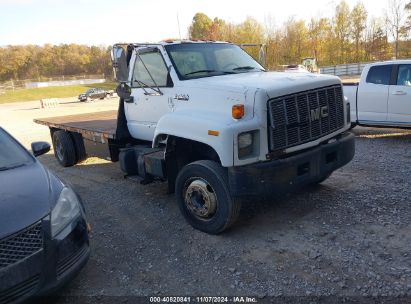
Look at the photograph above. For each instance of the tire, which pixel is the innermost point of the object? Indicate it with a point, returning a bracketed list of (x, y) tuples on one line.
[(64, 149), (204, 197), (79, 146)]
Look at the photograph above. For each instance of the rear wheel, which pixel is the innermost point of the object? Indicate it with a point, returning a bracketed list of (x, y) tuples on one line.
[(64, 149), (79, 146), (204, 198)]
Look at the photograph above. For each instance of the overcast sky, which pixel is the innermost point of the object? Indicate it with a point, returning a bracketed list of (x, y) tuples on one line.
[(106, 22)]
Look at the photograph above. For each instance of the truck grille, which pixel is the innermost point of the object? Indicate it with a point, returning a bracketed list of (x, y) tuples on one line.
[(21, 245), (305, 116)]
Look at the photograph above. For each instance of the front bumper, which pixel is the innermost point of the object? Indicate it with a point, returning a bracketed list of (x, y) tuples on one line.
[(54, 265), (283, 175)]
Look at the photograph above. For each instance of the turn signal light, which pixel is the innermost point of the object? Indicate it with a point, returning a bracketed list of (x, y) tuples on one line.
[(237, 111)]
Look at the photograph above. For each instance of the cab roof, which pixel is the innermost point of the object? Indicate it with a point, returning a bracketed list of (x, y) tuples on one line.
[(170, 42), (398, 61)]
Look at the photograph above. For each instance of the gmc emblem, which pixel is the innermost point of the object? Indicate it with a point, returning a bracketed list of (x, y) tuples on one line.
[(319, 112)]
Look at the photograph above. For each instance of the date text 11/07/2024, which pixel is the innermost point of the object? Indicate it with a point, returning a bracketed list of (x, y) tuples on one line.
[(203, 299)]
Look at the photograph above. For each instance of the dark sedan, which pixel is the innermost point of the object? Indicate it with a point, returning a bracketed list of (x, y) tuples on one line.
[(43, 231), (92, 94)]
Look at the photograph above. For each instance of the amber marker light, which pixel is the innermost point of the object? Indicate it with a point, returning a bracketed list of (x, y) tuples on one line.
[(213, 133), (237, 111)]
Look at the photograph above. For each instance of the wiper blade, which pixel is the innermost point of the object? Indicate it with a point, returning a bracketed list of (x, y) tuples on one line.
[(10, 167), (246, 67), (210, 71), (200, 71)]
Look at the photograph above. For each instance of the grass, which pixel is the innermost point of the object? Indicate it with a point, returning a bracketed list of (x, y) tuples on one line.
[(51, 92)]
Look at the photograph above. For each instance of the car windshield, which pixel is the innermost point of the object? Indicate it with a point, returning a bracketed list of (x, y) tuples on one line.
[(11, 154), (196, 60)]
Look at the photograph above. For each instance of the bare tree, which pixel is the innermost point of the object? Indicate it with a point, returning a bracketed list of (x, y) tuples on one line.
[(394, 18), (342, 28), (359, 24), (408, 24)]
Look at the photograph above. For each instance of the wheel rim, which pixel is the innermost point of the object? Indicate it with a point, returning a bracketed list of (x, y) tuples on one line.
[(200, 198), (59, 150)]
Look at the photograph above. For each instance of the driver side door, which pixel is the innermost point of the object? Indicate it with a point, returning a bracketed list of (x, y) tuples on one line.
[(151, 90)]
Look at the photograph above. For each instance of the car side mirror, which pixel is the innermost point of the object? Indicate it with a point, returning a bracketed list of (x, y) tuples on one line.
[(40, 148), (120, 66)]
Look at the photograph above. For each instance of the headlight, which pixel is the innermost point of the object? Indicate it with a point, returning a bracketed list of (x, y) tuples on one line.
[(246, 143), (245, 140), (66, 209)]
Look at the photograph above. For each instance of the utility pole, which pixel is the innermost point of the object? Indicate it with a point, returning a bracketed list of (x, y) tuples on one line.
[(178, 23)]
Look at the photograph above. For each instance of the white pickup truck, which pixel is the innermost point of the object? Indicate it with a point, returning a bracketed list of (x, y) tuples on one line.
[(383, 95), (206, 117)]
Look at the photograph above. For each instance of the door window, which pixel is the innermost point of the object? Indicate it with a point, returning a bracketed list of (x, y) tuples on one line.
[(404, 75), (379, 74), (150, 63)]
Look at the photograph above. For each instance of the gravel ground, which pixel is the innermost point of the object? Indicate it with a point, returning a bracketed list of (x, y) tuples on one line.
[(348, 237)]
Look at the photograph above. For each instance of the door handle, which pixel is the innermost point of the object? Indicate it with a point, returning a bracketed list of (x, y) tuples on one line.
[(399, 93)]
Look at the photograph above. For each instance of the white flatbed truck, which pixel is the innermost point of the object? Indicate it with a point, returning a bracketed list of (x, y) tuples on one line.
[(209, 120)]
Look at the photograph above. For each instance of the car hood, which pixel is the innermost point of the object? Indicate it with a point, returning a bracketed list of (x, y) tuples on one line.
[(27, 194), (274, 83)]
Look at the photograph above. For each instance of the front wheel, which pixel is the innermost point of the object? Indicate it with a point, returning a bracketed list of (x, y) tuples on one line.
[(204, 197)]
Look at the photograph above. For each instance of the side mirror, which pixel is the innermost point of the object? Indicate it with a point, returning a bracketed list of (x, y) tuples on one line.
[(119, 60), (124, 92), (40, 148)]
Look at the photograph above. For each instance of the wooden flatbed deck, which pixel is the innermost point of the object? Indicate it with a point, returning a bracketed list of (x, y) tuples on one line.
[(102, 124)]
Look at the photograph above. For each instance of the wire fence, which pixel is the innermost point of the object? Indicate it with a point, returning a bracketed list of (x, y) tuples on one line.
[(12, 85)]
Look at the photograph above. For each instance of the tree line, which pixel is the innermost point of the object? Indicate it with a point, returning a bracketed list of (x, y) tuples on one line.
[(349, 36), (36, 62)]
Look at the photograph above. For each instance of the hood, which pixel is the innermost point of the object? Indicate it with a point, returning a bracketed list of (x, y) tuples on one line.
[(274, 83), (26, 194)]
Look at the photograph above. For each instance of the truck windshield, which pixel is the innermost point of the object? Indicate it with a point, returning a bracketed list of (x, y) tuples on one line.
[(11, 154), (197, 60)]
